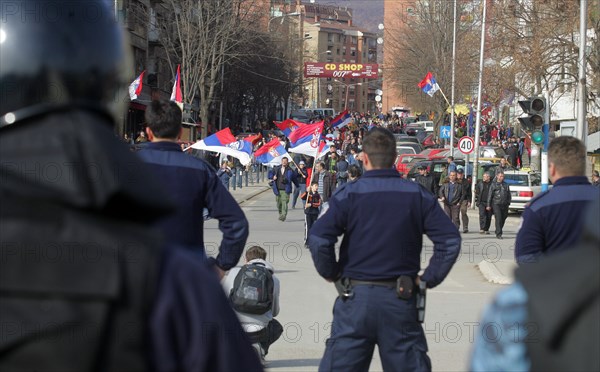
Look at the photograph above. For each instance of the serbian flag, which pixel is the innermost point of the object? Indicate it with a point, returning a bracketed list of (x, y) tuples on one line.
[(176, 92), (271, 153), (305, 140), (323, 149), (253, 139), (135, 88), (288, 126), (429, 85), (341, 120), (225, 143)]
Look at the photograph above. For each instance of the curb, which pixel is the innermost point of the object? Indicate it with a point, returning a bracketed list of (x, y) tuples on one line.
[(253, 195), (492, 274)]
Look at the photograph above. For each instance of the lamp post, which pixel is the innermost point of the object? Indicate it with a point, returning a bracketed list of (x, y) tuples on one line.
[(319, 80), (347, 89)]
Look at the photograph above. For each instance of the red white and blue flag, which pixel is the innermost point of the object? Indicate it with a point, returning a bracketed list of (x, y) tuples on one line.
[(135, 88), (323, 149), (341, 120), (271, 153), (176, 92), (225, 143), (288, 126), (429, 85), (305, 140)]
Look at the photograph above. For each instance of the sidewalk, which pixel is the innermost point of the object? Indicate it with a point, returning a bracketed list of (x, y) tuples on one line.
[(243, 194)]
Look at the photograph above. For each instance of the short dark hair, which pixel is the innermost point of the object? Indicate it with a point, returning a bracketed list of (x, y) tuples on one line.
[(380, 145), (451, 157), (354, 171), (164, 119), (568, 155), (255, 252), (314, 183)]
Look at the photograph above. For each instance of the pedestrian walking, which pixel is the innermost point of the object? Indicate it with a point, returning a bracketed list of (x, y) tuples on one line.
[(482, 190), (596, 178), (111, 296), (224, 174), (325, 181), (450, 195), (377, 286), (553, 220), (465, 202), (354, 173), (301, 177), (426, 179), (283, 178), (312, 208), (341, 171), (498, 200), (179, 174)]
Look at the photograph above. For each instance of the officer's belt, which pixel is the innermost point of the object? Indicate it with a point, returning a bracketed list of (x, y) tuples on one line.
[(382, 283)]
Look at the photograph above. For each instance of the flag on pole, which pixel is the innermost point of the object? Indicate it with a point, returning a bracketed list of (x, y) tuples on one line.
[(429, 85), (225, 143), (271, 153), (254, 138), (135, 88), (305, 140), (323, 149), (288, 126), (341, 120), (176, 92)]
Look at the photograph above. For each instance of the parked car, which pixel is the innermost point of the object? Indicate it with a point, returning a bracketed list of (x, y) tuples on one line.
[(401, 150), (407, 139), (523, 187), (416, 146), (427, 125)]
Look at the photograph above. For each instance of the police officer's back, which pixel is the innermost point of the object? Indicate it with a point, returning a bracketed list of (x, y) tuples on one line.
[(85, 283), (382, 219)]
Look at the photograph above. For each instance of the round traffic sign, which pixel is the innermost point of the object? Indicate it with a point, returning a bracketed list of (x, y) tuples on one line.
[(466, 145)]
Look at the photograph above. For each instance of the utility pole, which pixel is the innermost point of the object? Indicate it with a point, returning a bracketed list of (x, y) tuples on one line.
[(452, 93), (581, 81)]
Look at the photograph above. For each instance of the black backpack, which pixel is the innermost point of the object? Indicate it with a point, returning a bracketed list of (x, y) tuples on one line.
[(252, 290)]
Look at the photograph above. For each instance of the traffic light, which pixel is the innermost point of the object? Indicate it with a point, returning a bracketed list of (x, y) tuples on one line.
[(535, 108)]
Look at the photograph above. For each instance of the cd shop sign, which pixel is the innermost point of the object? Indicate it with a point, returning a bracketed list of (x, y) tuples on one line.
[(341, 70)]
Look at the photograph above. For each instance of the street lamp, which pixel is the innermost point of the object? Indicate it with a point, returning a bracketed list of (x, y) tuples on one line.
[(347, 88)]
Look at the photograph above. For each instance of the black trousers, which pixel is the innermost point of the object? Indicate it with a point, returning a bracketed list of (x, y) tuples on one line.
[(267, 335), (453, 211), (310, 220), (500, 214), (485, 218)]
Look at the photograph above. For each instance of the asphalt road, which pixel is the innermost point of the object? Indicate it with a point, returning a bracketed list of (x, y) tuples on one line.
[(453, 309)]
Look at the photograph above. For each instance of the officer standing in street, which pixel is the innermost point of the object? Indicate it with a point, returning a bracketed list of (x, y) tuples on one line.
[(553, 221), (379, 263), (86, 282), (193, 185)]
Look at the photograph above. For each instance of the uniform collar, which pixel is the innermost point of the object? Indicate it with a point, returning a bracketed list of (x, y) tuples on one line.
[(574, 180), (163, 146), (382, 173)]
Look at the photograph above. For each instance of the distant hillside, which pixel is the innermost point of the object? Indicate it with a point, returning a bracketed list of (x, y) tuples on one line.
[(368, 14)]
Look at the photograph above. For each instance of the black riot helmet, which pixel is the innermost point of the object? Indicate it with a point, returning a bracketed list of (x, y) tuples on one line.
[(60, 55)]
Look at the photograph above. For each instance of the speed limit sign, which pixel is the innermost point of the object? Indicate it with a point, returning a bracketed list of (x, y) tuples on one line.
[(466, 145)]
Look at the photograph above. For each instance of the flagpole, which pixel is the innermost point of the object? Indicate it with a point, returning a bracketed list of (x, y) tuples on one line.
[(452, 93), (478, 120)]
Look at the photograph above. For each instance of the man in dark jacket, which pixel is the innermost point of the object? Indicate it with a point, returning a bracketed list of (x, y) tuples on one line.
[(370, 311), (553, 220), (426, 179), (465, 202), (451, 195), (325, 181), (498, 200), (193, 185), (482, 190), (283, 178), (86, 283)]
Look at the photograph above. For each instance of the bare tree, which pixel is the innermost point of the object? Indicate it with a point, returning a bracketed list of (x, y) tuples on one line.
[(202, 36), (423, 43)]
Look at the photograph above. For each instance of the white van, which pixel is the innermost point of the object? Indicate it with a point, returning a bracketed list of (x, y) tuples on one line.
[(324, 112), (427, 125)]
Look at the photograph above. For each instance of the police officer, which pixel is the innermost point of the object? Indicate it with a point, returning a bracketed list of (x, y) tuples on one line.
[(375, 256), (554, 219), (85, 283), (194, 186)]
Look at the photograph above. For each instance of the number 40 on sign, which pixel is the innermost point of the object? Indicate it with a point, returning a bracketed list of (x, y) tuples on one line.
[(466, 145)]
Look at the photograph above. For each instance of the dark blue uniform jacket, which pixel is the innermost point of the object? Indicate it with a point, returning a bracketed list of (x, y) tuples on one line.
[(193, 185), (553, 220), (383, 218)]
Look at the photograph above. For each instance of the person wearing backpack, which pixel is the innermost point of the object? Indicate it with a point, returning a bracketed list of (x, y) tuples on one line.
[(253, 292)]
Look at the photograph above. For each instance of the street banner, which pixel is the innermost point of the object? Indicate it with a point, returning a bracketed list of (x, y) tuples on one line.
[(341, 70)]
